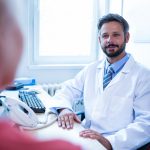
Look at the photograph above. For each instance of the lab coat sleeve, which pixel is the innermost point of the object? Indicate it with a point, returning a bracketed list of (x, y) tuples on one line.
[(71, 91), (137, 133)]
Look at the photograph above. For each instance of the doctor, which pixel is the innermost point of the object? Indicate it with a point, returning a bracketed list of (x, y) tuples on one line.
[(116, 93)]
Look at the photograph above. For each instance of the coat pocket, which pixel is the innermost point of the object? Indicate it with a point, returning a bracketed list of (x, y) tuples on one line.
[(121, 110)]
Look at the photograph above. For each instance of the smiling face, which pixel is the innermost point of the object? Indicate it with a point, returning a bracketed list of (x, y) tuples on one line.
[(113, 40)]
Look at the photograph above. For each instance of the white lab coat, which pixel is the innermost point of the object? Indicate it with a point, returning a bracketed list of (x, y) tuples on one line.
[(121, 112)]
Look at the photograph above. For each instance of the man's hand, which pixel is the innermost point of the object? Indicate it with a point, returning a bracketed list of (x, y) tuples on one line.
[(66, 119), (97, 136)]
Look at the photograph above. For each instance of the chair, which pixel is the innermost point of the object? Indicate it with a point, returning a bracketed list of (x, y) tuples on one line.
[(78, 107), (145, 147), (80, 114)]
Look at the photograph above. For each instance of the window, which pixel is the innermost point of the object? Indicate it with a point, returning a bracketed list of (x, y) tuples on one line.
[(136, 12), (136, 18), (65, 31)]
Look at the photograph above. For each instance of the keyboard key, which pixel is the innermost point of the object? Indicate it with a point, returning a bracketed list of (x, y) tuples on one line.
[(31, 99)]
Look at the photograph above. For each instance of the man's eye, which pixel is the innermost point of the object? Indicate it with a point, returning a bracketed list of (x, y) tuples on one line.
[(116, 35), (104, 36)]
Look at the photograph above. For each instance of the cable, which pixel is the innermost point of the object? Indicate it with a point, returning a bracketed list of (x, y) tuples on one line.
[(45, 123)]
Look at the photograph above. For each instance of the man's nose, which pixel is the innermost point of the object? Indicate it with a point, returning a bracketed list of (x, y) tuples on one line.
[(109, 39)]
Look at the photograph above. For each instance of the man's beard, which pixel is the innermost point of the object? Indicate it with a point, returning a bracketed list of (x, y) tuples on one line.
[(122, 48)]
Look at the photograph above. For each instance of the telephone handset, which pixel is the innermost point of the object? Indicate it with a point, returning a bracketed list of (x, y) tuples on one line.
[(23, 115), (20, 113)]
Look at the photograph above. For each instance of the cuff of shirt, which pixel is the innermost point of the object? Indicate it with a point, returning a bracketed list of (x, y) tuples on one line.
[(111, 140), (54, 110)]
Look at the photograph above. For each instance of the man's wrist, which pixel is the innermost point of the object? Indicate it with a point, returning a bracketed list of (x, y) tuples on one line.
[(60, 110), (105, 143)]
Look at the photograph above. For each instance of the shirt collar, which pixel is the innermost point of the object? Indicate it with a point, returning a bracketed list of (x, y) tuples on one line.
[(119, 64)]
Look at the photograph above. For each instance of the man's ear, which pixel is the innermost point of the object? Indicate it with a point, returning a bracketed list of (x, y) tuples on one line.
[(127, 37), (99, 39)]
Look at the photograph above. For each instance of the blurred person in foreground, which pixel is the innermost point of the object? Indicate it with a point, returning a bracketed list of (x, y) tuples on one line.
[(11, 45)]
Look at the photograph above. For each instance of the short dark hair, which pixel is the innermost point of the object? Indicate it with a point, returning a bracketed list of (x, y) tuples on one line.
[(113, 17)]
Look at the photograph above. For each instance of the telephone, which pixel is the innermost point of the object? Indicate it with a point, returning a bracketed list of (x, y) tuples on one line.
[(21, 114)]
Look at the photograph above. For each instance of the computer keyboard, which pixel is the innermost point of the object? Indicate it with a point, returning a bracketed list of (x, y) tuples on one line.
[(31, 99)]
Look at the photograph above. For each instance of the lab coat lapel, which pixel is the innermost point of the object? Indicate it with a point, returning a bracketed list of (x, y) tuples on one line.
[(120, 76), (125, 70), (100, 74)]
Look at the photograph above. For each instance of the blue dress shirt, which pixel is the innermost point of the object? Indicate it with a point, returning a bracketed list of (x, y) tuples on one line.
[(117, 66)]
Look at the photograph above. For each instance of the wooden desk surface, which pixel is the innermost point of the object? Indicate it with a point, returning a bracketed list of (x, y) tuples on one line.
[(53, 131)]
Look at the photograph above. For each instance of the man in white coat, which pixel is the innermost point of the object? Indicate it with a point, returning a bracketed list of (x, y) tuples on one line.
[(116, 102)]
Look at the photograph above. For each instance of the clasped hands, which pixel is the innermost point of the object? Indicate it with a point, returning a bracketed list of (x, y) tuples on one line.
[(66, 120)]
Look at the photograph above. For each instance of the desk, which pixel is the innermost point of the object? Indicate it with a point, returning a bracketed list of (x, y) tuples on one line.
[(53, 131)]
